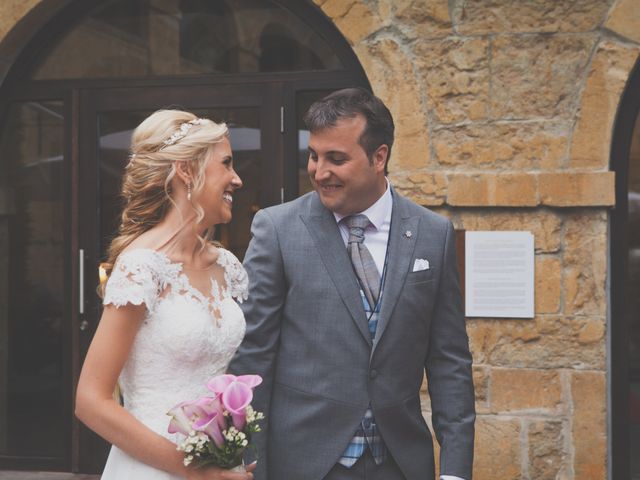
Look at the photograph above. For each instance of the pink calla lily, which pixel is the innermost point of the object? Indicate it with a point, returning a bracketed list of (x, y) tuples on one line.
[(210, 414), (220, 383), (180, 422), (210, 425), (252, 381), (236, 398), (213, 407), (187, 416)]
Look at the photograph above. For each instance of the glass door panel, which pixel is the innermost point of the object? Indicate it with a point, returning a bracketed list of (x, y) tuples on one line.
[(115, 133), (106, 123), (303, 102), (34, 377), (138, 38)]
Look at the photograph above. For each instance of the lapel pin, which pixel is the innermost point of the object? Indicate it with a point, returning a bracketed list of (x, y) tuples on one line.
[(408, 234)]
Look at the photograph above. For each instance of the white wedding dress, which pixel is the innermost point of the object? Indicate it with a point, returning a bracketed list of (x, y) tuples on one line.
[(186, 338)]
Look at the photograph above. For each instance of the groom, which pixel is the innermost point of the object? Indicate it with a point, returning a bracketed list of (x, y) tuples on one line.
[(353, 292)]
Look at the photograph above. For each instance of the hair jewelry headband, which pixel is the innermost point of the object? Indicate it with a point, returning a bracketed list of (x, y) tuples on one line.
[(182, 132), (176, 136)]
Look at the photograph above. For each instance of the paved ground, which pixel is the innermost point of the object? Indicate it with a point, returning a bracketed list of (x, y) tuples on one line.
[(8, 475)]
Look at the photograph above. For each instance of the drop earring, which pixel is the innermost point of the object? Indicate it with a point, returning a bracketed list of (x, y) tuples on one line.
[(189, 191)]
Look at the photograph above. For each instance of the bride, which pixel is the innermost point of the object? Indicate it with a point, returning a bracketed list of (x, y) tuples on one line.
[(170, 320)]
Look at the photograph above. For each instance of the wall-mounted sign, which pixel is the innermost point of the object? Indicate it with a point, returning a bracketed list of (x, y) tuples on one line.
[(499, 274)]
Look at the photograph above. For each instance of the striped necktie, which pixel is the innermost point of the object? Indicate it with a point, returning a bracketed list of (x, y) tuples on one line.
[(361, 258)]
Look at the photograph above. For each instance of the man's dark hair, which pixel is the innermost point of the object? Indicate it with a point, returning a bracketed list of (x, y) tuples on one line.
[(348, 103)]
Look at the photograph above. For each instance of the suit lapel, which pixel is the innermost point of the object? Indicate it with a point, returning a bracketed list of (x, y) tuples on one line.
[(324, 230), (401, 247)]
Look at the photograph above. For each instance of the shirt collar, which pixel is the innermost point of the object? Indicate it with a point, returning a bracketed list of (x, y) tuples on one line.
[(378, 212)]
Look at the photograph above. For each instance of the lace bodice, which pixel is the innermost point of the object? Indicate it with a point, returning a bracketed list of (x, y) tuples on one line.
[(186, 337)]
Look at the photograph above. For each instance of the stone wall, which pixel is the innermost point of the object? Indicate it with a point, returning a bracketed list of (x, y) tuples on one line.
[(504, 116)]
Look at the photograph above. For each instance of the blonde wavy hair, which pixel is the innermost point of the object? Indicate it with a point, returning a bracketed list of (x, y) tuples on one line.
[(146, 185)]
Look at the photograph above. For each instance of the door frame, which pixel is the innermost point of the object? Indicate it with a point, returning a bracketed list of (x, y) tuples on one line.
[(29, 40), (281, 89), (619, 443), (88, 449)]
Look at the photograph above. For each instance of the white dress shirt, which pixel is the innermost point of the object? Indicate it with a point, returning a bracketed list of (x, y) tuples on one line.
[(376, 237)]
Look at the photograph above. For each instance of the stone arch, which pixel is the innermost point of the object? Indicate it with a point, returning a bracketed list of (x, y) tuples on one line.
[(17, 27), (591, 143), (623, 228), (388, 66)]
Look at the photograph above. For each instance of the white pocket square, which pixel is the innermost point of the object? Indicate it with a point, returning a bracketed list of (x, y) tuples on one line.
[(420, 264)]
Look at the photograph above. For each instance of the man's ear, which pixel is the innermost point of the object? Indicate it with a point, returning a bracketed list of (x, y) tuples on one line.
[(380, 157), (183, 171)]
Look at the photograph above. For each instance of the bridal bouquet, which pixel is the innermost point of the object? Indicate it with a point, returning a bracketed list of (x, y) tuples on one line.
[(218, 428)]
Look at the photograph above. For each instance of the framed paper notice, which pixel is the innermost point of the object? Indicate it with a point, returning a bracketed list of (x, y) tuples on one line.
[(499, 274)]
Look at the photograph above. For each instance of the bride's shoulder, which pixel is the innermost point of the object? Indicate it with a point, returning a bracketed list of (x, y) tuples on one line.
[(139, 275), (138, 258), (235, 275), (143, 252), (145, 266), (225, 256)]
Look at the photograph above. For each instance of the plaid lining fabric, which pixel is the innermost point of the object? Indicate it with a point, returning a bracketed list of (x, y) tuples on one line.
[(367, 432)]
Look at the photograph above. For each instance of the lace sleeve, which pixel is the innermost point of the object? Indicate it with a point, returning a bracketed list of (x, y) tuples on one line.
[(235, 276), (132, 280)]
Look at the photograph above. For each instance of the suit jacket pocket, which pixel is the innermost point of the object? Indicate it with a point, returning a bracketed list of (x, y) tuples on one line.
[(422, 276)]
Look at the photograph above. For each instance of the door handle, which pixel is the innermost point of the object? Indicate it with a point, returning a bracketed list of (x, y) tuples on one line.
[(81, 282)]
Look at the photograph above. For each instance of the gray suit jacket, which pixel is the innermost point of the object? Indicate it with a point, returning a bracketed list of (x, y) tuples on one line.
[(307, 336)]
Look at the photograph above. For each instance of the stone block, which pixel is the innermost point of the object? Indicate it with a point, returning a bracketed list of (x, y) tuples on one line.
[(572, 189), (624, 19), (545, 225), (589, 397), (481, 17), (528, 81), (525, 390), (481, 375), (546, 449), (502, 146), (12, 11), (391, 75), (420, 19), (592, 331), (471, 190), (516, 189), (355, 19), (600, 100), (428, 189), (505, 189), (548, 292), (547, 341), (335, 8), (456, 75), (497, 449), (585, 263)]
